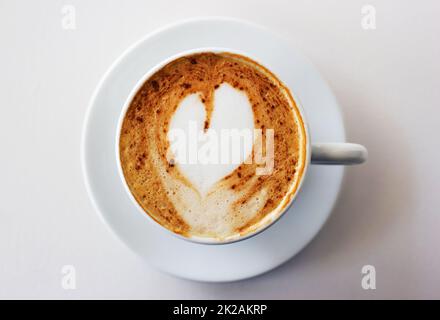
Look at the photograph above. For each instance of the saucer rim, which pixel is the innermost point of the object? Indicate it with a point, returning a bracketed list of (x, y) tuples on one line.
[(86, 132)]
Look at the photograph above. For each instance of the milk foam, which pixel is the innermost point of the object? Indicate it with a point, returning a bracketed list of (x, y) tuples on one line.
[(210, 214), (232, 111), (209, 211)]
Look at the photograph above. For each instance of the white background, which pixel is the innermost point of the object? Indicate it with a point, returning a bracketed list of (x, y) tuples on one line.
[(387, 82)]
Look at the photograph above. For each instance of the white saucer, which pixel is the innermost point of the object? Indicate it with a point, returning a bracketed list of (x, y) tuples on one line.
[(181, 258)]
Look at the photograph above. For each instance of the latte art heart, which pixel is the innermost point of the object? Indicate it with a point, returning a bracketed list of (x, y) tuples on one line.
[(231, 114), (208, 93)]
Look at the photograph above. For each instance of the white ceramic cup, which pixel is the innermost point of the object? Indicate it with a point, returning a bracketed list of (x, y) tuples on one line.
[(337, 153)]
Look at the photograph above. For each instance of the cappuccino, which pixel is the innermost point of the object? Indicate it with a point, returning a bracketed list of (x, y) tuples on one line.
[(210, 93)]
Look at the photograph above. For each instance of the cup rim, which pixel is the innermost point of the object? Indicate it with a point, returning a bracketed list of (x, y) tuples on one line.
[(198, 239)]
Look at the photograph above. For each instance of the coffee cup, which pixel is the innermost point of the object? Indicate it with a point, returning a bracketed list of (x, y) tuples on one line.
[(162, 187)]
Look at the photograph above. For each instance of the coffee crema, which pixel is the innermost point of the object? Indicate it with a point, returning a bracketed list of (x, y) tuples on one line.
[(242, 201)]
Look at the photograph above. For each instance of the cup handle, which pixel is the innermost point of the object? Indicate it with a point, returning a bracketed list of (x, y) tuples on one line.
[(338, 153)]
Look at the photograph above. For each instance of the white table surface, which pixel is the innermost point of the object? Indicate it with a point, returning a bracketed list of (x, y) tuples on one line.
[(387, 81)]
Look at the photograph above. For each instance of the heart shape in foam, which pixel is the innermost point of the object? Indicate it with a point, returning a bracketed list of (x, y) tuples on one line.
[(232, 113)]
